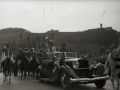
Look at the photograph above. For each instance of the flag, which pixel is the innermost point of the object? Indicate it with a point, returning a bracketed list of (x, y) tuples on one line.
[(33, 43), (21, 39), (42, 45), (28, 37), (45, 38), (21, 36), (14, 42), (24, 47), (52, 36), (37, 38)]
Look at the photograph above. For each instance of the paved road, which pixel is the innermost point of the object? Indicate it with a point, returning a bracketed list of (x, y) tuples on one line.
[(32, 84)]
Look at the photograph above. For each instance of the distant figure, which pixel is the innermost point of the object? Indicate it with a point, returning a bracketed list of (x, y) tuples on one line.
[(63, 48)]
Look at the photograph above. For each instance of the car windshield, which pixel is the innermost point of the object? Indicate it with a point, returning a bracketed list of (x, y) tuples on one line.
[(71, 55), (67, 55), (58, 55), (49, 57)]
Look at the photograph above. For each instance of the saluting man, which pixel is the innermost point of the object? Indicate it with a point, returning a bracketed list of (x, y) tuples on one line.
[(51, 46)]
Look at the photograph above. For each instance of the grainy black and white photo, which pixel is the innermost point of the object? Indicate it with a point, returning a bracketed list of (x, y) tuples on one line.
[(59, 45)]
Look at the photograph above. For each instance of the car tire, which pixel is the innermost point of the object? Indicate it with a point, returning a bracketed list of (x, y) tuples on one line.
[(100, 83), (40, 76), (65, 81)]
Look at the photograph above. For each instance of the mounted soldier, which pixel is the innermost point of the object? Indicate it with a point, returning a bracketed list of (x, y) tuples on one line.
[(7, 63), (4, 53), (32, 53)]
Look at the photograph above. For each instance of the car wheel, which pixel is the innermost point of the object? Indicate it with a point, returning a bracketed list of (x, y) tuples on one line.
[(65, 81), (40, 76), (100, 83)]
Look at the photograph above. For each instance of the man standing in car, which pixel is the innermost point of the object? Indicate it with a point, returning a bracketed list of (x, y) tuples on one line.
[(63, 48)]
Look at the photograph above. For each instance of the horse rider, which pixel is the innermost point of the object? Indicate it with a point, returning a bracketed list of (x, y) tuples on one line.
[(63, 48), (4, 53), (32, 53)]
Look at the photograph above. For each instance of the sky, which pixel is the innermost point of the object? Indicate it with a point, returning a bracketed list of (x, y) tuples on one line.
[(65, 16)]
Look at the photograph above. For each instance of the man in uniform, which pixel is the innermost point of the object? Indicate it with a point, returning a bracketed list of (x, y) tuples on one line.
[(5, 53), (63, 48)]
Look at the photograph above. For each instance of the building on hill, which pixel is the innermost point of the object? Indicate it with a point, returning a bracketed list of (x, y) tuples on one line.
[(101, 27), (53, 31)]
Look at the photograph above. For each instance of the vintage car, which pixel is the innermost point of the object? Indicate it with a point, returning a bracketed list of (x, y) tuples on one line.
[(73, 70)]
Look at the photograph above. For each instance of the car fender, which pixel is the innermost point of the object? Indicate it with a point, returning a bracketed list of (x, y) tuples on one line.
[(69, 71), (99, 69)]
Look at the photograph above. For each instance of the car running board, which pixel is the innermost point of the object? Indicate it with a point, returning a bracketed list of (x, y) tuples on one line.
[(47, 79)]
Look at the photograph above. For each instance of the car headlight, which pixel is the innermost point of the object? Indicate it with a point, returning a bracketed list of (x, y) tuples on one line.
[(75, 64)]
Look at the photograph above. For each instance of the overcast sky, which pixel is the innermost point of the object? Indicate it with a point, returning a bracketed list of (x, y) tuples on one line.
[(65, 16)]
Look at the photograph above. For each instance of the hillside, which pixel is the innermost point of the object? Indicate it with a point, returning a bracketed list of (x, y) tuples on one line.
[(89, 41)]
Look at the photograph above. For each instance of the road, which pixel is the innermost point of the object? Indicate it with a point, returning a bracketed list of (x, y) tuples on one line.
[(32, 84)]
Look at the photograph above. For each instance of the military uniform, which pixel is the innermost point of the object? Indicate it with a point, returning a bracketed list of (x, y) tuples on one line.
[(63, 50)]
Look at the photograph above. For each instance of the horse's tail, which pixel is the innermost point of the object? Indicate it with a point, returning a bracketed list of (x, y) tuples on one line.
[(107, 69)]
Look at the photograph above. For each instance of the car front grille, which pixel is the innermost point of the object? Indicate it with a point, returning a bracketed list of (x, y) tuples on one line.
[(83, 70)]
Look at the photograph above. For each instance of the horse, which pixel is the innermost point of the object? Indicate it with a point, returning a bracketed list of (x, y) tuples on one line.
[(7, 66), (112, 68), (34, 63), (15, 65), (23, 65)]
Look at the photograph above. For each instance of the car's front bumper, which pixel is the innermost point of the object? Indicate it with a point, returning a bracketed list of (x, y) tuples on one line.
[(87, 80)]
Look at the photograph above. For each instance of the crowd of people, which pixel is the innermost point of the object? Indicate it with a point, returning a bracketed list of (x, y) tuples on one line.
[(40, 54)]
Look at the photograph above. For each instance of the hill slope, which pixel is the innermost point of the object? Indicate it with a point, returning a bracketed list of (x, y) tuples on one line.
[(89, 41)]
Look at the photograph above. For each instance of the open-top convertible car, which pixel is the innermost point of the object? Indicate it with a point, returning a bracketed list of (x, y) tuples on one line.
[(68, 69)]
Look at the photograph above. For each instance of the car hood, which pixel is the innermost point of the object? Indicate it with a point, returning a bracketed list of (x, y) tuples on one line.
[(72, 59)]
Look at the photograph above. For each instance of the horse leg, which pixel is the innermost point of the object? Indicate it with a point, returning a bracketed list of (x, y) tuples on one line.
[(117, 79), (112, 77), (33, 73), (21, 73), (28, 73), (3, 77), (25, 74), (9, 77), (37, 74)]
